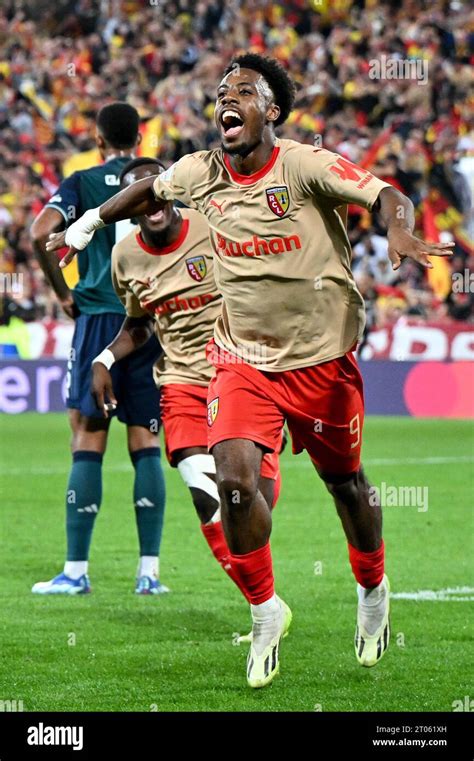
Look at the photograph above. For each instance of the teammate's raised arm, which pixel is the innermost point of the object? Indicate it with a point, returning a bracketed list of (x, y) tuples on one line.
[(133, 201)]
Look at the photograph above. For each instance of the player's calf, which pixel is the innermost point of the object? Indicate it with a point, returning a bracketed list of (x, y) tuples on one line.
[(248, 525), (358, 509), (361, 518), (198, 471), (149, 501)]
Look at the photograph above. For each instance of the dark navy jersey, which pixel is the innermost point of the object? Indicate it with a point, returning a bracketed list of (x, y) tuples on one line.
[(87, 189)]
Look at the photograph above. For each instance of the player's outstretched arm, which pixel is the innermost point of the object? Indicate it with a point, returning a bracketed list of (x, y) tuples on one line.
[(133, 201), (398, 215), (133, 334)]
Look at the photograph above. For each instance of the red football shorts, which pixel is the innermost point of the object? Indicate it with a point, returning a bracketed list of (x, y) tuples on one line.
[(184, 418), (322, 404), (183, 414)]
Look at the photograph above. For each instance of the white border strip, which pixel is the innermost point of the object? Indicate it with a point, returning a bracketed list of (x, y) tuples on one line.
[(451, 594), (293, 463)]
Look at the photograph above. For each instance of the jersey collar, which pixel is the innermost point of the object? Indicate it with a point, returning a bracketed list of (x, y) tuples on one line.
[(250, 179), (114, 156), (167, 249)]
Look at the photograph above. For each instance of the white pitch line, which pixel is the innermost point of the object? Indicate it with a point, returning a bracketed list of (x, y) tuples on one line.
[(419, 460), (302, 462), (371, 461), (451, 594), (52, 471)]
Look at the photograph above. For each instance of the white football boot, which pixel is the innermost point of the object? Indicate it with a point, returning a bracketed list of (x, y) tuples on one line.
[(263, 659), (373, 624)]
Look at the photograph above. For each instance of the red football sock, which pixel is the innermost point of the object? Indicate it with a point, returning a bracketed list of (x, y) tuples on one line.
[(214, 536), (367, 567), (255, 571)]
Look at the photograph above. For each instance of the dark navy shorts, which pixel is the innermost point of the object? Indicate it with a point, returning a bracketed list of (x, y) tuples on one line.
[(136, 393)]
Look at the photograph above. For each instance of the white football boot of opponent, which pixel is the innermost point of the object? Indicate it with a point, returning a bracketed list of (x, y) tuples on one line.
[(269, 626), (373, 624)]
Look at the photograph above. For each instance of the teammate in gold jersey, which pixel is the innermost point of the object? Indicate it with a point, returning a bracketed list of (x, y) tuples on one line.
[(163, 273), (292, 316)]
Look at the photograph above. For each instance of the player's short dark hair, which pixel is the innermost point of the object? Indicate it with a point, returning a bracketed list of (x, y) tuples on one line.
[(272, 71), (140, 161), (118, 124)]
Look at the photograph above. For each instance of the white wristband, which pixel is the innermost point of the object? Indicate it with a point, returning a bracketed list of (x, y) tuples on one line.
[(80, 233), (106, 358)]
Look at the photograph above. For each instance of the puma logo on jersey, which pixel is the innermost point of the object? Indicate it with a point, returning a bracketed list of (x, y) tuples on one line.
[(258, 246), (219, 206), (150, 282)]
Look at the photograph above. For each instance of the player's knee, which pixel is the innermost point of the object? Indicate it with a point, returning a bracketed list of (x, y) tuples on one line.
[(140, 437), (74, 424), (237, 490), (198, 473), (346, 492), (345, 488), (89, 434), (237, 472)]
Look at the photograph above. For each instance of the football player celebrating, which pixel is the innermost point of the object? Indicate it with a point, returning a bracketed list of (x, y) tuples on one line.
[(282, 264), (98, 315), (164, 275)]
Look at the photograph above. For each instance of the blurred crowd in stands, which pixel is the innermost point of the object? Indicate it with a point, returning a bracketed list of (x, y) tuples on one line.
[(61, 61)]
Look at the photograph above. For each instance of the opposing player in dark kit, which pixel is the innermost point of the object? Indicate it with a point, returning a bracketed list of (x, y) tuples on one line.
[(98, 316)]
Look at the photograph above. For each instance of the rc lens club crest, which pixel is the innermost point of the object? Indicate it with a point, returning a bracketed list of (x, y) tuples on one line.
[(212, 409), (278, 200), (197, 267)]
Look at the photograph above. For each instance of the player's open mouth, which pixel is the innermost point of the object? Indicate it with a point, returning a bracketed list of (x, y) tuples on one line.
[(232, 123), (156, 217)]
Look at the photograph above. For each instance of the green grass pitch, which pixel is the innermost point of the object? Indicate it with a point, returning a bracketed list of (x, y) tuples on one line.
[(112, 650)]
